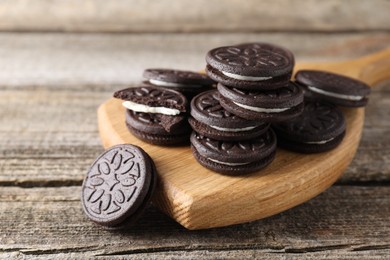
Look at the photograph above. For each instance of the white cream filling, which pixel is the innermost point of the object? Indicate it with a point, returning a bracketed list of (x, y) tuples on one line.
[(147, 109), (233, 129), (320, 142), (226, 163), (248, 78), (336, 95), (171, 84), (261, 109)]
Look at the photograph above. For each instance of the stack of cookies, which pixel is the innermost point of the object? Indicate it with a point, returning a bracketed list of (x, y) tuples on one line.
[(321, 126), (231, 126), (235, 127)]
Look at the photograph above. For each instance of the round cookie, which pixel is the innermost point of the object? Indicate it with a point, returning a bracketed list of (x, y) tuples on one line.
[(187, 82), (152, 99), (118, 186), (258, 66), (321, 127), (270, 106), (158, 129), (156, 115), (210, 119), (234, 157), (334, 88)]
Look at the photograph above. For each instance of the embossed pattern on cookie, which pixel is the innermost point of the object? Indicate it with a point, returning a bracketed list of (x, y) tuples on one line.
[(252, 59), (154, 97), (116, 185)]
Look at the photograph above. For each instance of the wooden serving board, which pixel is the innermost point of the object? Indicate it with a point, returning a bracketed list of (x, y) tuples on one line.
[(198, 198)]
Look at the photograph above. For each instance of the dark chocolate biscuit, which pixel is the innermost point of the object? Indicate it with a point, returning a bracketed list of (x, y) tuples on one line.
[(210, 119), (258, 66), (187, 82), (157, 128), (153, 96), (334, 88), (319, 128), (187, 78), (155, 115), (118, 186), (235, 157), (271, 106)]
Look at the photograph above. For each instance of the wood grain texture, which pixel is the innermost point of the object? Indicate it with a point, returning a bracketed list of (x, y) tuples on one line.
[(101, 61), (193, 16), (48, 222)]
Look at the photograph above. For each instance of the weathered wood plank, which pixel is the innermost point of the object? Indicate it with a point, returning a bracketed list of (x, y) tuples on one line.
[(245, 253), (98, 60), (190, 16), (339, 222)]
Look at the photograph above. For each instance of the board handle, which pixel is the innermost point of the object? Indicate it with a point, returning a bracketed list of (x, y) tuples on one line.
[(370, 69), (374, 68)]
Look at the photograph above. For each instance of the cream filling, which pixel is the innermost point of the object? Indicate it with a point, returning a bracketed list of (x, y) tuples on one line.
[(320, 142), (261, 109), (336, 95), (248, 78), (171, 84), (226, 163), (233, 129), (147, 109)]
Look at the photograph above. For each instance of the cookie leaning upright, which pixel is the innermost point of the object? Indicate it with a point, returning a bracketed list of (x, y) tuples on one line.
[(156, 115), (118, 186), (258, 66)]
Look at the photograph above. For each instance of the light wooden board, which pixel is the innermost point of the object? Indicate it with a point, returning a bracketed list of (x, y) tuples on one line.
[(199, 198)]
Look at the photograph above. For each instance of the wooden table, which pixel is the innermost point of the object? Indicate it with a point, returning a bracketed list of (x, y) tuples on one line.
[(50, 87)]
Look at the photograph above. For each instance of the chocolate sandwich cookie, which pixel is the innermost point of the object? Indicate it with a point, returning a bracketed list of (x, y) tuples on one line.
[(257, 66), (118, 186), (157, 128), (321, 127), (334, 88), (187, 82), (234, 157), (270, 106), (156, 115), (210, 119)]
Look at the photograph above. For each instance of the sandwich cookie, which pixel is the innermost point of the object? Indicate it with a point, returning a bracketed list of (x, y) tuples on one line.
[(210, 119), (118, 186), (270, 106), (187, 82), (156, 115), (334, 88), (257, 66), (321, 127), (234, 157)]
